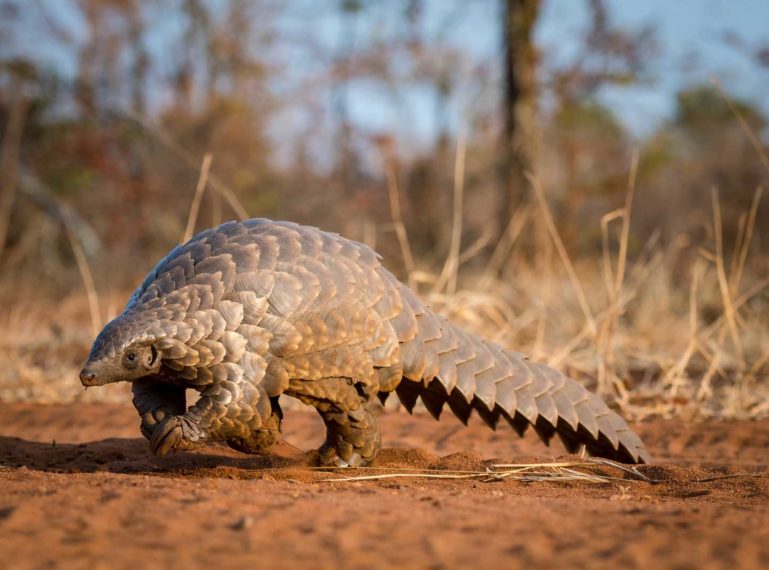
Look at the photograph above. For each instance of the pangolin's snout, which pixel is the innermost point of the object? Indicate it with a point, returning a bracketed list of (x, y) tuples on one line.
[(87, 376)]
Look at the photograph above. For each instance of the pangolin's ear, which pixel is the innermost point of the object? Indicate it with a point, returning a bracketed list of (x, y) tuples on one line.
[(152, 357)]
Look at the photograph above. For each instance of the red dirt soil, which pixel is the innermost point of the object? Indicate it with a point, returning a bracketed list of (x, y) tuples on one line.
[(79, 489)]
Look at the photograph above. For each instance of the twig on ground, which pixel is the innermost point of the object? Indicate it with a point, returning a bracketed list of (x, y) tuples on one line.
[(527, 472)]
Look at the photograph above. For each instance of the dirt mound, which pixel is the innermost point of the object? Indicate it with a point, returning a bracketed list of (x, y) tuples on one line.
[(79, 489)]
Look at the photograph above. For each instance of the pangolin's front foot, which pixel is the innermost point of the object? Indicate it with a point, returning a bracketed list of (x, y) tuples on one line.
[(150, 422), (178, 433)]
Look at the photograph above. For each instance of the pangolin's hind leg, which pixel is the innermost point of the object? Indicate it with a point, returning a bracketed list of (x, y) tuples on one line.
[(262, 439), (352, 436), (352, 431)]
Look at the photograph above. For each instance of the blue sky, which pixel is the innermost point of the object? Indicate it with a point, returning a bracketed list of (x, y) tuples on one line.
[(691, 38), (691, 35)]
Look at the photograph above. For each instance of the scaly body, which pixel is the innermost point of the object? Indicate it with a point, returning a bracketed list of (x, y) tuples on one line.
[(251, 310)]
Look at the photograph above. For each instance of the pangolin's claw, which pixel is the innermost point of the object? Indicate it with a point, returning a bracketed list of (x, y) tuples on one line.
[(150, 421), (327, 457), (355, 460), (166, 436), (174, 433)]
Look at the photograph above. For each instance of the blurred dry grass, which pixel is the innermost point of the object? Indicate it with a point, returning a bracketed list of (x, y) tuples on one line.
[(638, 267), (664, 334), (678, 328)]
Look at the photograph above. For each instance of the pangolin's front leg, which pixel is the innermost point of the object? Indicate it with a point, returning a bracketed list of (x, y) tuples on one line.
[(155, 400), (226, 411)]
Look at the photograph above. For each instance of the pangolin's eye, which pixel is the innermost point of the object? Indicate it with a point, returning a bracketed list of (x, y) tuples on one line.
[(130, 359)]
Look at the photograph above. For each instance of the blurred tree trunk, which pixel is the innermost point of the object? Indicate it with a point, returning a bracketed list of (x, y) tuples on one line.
[(428, 180), (520, 139), (9, 160), (141, 61), (195, 61), (346, 159), (85, 85)]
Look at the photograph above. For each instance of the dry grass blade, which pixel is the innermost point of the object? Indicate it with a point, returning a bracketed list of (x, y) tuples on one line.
[(740, 236), (476, 247), (414, 475), (186, 156), (86, 275), (565, 259), (759, 364), (625, 237), (705, 390), (384, 469), (607, 266), (192, 218), (545, 298), (750, 227), (723, 282), (552, 471), (644, 272), (754, 140), (513, 231), (674, 376), (604, 341), (629, 469), (397, 218), (448, 276), (754, 290)]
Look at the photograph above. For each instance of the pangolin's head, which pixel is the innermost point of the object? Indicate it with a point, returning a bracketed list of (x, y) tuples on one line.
[(161, 328), (125, 350)]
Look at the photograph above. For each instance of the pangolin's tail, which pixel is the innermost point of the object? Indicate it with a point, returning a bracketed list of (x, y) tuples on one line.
[(442, 364)]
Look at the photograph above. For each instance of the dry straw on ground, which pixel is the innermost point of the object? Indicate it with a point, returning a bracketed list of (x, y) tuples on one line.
[(588, 470)]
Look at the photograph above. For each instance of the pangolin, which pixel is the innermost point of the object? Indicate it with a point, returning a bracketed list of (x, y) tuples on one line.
[(250, 310)]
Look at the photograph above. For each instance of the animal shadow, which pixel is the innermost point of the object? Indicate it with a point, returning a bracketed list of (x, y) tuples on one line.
[(119, 455)]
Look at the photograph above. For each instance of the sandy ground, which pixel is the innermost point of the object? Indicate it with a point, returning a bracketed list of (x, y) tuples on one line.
[(79, 489)]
